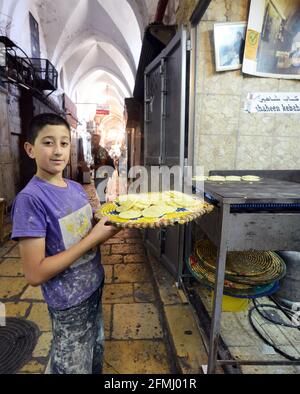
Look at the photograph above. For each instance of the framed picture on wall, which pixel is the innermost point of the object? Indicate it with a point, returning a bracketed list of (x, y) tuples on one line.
[(35, 37), (229, 39)]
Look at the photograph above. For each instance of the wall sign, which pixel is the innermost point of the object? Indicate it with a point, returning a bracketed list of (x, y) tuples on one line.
[(103, 110), (279, 103)]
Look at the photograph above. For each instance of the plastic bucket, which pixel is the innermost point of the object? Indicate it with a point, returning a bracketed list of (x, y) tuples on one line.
[(233, 304)]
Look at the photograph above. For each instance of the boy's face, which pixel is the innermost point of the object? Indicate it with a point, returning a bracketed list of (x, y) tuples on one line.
[(51, 149)]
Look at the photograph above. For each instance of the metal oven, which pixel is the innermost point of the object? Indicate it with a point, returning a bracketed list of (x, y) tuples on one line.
[(262, 215)]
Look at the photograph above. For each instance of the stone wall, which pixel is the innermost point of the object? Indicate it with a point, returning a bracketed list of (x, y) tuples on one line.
[(226, 137), (184, 11), (7, 178)]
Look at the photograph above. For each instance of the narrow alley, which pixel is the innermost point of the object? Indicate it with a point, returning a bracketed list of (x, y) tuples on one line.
[(167, 132)]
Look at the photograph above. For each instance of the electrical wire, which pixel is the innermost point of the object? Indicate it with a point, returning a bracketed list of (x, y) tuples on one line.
[(276, 307), (256, 308)]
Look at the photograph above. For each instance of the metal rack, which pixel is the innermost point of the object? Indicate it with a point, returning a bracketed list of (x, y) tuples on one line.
[(46, 76), (261, 215), (30, 73)]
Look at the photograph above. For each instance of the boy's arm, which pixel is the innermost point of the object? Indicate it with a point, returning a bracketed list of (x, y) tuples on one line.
[(38, 269)]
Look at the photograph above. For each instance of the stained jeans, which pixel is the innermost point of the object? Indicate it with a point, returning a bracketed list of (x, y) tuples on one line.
[(78, 338)]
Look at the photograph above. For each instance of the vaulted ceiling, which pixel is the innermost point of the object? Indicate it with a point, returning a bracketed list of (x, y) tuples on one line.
[(94, 44)]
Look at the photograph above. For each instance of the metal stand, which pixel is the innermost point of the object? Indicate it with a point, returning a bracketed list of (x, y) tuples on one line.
[(227, 241), (230, 230)]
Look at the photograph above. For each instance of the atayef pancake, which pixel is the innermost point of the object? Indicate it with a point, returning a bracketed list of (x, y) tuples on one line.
[(217, 178), (126, 206), (130, 214), (180, 200), (186, 202), (154, 212), (233, 178), (166, 208), (251, 178)]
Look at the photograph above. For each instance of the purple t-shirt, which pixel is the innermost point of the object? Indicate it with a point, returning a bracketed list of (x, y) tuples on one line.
[(63, 216)]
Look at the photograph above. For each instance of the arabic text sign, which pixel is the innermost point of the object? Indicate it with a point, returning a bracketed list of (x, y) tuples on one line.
[(103, 110), (279, 103)]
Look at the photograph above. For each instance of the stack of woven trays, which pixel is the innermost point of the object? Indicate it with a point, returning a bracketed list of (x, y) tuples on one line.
[(154, 210), (248, 274)]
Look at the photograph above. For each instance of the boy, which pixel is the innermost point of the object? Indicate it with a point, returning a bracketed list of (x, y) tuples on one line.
[(52, 219)]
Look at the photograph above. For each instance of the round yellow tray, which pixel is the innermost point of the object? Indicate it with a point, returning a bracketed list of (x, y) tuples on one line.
[(170, 219)]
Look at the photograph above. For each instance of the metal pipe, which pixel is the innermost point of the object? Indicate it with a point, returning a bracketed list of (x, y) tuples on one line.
[(192, 98), (199, 11), (161, 10)]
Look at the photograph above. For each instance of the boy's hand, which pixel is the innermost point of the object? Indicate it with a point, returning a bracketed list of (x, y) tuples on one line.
[(103, 231)]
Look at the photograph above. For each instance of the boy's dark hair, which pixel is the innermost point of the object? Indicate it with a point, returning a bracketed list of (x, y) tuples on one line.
[(43, 120)]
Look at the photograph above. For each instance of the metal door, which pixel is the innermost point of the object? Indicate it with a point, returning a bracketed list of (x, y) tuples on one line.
[(165, 104), (153, 113), (175, 94), (154, 81), (165, 130)]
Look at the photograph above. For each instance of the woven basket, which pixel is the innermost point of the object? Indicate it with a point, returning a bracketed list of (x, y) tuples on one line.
[(209, 276), (181, 216), (230, 288), (251, 268)]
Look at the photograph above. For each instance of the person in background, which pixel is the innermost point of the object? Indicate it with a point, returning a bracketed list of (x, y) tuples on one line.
[(59, 249), (101, 159), (100, 154)]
